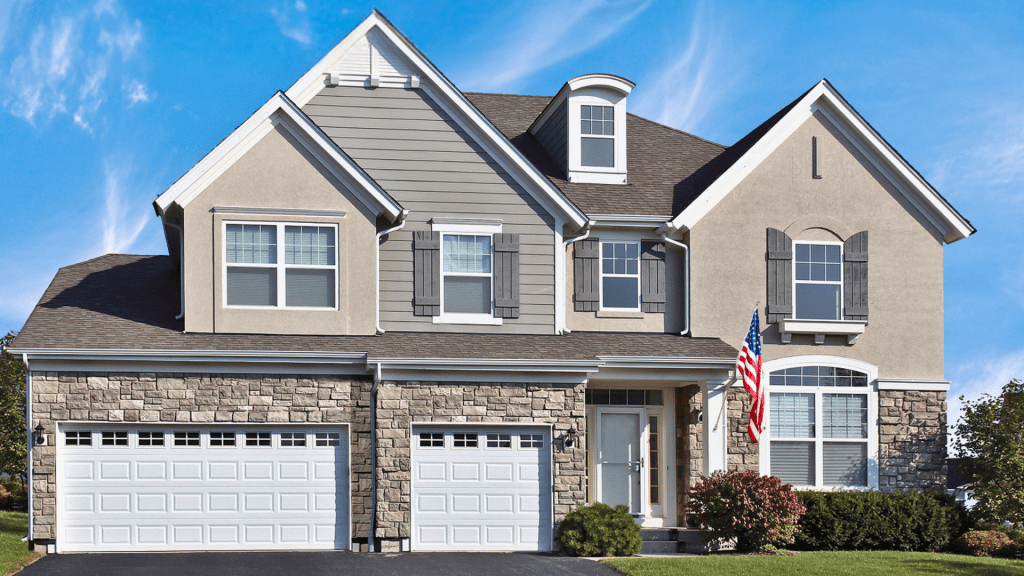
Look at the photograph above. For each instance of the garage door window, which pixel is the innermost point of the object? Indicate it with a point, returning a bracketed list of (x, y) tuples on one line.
[(431, 440), (186, 439), (114, 439), (293, 439), (151, 438), (328, 439), (461, 440), (499, 440), (222, 438), (257, 439), (531, 441), (78, 438)]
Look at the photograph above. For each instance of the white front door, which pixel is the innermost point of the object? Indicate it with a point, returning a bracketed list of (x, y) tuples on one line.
[(620, 458)]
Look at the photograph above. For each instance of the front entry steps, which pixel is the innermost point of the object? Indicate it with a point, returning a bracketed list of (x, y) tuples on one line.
[(672, 541)]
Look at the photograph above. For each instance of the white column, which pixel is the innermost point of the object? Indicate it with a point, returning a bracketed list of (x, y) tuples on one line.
[(714, 396)]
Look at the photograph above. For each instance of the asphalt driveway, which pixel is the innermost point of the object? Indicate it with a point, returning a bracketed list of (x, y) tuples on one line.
[(315, 564)]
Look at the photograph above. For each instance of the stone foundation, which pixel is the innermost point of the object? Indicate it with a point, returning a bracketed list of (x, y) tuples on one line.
[(399, 404), (200, 398), (911, 440), (744, 455), (689, 447)]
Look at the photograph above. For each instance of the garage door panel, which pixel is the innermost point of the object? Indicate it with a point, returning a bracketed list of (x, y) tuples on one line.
[(197, 497), (465, 503), (431, 503), (465, 471), (431, 471)]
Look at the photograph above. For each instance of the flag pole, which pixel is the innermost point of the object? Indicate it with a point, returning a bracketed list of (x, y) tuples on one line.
[(735, 378)]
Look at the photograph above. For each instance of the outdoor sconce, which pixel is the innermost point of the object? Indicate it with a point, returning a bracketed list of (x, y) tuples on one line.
[(700, 416), (569, 440), (38, 438)]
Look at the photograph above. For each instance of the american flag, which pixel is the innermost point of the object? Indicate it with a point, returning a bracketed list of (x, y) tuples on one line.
[(748, 367)]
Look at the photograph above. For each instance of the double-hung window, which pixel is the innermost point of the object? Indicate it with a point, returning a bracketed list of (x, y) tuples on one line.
[(818, 279), (263, 271), (466, 274), (597, 136), (620, 275), (819, 433)]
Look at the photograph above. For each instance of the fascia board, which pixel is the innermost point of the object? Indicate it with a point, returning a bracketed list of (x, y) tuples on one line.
[(192, 355), (940, 214), (458, 107), (616, 83), (482, 364), (279, 110)]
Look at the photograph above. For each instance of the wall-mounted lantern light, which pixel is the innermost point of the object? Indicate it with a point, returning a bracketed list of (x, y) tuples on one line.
[(38, 438)]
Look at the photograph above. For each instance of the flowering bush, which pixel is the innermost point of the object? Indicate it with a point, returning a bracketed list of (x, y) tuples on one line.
[(756, 511), (599, 530), (985, 543)]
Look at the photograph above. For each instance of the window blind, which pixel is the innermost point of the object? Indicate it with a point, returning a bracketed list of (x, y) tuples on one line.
[(793, 462), (844, 463)]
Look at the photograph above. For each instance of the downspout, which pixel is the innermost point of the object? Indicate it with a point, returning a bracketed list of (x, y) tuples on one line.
[(401, 224), (181, 265), (370, 542), (686, 288), (565, 246), (28, 438)]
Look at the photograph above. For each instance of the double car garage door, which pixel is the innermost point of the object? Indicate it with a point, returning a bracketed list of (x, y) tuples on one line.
[(189, 488)]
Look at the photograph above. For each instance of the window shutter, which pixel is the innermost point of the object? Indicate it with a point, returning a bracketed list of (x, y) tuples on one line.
[(855, 277), (426, 273), (780, 276), (506, 275), (587, 275), (652, 276)]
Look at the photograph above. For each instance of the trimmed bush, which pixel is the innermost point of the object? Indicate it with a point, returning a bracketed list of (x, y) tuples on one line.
[(984, 543), (599, 530), (922, 522), (757, 512)]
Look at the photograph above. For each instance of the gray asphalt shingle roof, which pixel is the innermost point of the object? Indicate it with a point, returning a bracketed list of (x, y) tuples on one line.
[(127, 302)]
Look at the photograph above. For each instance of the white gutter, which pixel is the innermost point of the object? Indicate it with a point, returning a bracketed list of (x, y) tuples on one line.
[(28, 438), (181, 265), (565, 246), (686, 288), (401, 224)]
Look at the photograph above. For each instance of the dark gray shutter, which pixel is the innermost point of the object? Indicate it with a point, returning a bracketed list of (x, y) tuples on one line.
[(855, 277), (652, 276), (506, 275), (587, 275), (426, 273), (780, 276)]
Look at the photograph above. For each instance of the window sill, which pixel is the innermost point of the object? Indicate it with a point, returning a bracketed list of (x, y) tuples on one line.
[(479, 319), (620, 314), (821, 328)]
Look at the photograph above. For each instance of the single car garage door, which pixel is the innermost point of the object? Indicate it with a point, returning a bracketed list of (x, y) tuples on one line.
[(481, 488), (153, 488)]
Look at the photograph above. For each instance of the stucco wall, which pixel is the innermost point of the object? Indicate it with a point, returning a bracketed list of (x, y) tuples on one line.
[(278, 172), (905, 330), (155, 398)]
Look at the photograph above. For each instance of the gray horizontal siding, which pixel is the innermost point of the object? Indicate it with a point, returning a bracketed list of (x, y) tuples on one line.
[(416, 152)]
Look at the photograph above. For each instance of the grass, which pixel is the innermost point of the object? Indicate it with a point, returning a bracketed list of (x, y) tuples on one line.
[(830, 563), (13, 552)]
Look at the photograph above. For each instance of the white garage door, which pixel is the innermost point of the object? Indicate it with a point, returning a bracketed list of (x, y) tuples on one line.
[(481, 488), (190, 488)]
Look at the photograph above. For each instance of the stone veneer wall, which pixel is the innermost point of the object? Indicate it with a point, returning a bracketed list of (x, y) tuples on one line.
[(912, 440), (399, 404), (744, 455), (689, 447), (202, 398)]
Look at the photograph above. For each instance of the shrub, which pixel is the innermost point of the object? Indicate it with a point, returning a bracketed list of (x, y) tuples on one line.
[(599, 530), (984, 543), (924, 522), (756, 511)]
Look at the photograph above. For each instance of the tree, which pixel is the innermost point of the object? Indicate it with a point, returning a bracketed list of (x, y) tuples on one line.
[(990, 439), (13, 451)]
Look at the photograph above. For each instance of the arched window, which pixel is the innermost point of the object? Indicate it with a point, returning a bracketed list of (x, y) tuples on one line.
[(822, 424)]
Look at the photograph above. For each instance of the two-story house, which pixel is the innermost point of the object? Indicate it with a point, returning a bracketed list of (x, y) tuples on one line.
[(399, 315)]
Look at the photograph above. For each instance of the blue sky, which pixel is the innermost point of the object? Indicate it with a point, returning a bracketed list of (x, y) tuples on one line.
[(103, 104)]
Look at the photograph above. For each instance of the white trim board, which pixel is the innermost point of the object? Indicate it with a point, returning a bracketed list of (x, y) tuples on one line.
[(921, 385), (825, 99), (279, 111), (454, 103)]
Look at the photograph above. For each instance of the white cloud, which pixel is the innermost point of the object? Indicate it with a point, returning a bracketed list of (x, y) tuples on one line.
[(981, 376), (66, 65), (123, 218), (137, 92), (547, 36), (292, 21), (682, 91)]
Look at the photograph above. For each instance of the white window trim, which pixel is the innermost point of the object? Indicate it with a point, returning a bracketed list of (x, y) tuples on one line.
[(612, 136), (842, 280), (280, 266), (602, 307), (475, 229), (595, 174), (871, 391)]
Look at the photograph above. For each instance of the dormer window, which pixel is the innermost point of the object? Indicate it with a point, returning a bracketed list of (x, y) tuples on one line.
[(597, 130)]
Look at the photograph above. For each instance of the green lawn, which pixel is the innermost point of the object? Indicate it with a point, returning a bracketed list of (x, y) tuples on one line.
[(13, 552), (827, 563)]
